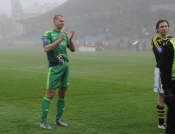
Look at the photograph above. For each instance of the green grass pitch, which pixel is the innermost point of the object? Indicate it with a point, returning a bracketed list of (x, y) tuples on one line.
[(110, 93)]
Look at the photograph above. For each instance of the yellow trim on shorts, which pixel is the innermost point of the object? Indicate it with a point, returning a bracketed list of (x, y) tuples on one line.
[(48, 78)]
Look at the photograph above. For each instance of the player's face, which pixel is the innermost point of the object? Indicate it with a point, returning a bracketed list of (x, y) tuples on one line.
[(163, 29), (59, 23)]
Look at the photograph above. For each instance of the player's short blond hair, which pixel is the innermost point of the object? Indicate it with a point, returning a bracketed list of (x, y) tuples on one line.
[(56, 16)]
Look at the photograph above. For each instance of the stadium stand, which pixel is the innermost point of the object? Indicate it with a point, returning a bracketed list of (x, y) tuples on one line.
[(108, 22)]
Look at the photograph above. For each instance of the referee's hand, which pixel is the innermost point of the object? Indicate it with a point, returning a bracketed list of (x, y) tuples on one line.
[(169, 99)]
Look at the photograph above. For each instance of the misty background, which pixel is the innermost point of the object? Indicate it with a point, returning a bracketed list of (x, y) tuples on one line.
[(103, 24)]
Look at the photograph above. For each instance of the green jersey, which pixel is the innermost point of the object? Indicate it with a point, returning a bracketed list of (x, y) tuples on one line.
[(50, 37)]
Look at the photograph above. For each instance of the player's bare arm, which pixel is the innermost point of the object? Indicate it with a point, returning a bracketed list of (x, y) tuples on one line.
[(52, 46), (72, 46)]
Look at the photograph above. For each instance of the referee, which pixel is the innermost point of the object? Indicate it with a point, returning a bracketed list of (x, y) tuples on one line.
[(167, 68)]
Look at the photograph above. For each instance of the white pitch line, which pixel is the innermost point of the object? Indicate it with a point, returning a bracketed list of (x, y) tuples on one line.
[(28, 67)]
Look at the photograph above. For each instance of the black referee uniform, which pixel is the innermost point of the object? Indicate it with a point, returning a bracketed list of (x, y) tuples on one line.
[(166, 64)]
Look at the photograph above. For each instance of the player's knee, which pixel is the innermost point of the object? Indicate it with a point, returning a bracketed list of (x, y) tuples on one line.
[(62, 92), (161, 101), (161, 97), (50, 93)]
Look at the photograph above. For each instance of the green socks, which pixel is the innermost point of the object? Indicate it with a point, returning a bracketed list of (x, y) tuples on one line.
[(46, 105), (45, 108), (60, 108)]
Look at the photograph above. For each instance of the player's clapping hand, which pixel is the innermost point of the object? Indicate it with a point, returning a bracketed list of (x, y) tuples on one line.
[(71, 34), (63, 33)]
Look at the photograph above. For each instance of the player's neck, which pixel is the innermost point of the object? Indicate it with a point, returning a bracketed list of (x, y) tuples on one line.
[(56, 29), (162, 36)]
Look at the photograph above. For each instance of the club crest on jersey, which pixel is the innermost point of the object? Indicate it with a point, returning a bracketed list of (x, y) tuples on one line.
[(52, 84), (45, 40), (159, 49)]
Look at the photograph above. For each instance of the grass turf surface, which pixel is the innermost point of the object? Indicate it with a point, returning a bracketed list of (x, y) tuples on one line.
[(110, 93)]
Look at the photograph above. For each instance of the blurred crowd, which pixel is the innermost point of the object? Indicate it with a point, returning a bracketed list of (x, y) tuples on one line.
[(128, 24)]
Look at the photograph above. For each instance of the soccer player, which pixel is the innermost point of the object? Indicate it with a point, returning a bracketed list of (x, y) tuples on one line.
[(167, 68), (158, 42), (55, 42)]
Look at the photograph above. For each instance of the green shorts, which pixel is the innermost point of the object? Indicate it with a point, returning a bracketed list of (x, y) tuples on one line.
[(58, 76)]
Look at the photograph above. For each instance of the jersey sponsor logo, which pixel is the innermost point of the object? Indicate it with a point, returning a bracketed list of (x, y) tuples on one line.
[(159, 49), (45, 40), (63, 43), (53, 34)]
